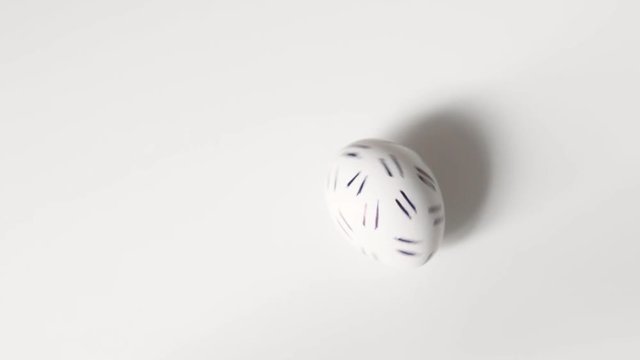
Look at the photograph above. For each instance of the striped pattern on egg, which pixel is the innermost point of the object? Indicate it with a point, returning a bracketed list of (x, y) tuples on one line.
[(386, 202)]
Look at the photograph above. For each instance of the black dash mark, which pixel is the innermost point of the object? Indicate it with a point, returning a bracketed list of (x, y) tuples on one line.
[(425, 174), (409, 201), (434, 208), (406, 240), (395, 161), (362, 185), (374, 256), (403, 209), (429, 257), (406, 252), (351, 154), (361, 146), (384, 163), (335, 180), (427, 182), (377, 212), (352, 179), (364, 215), (345, 220), (344, 230), (437, 221)]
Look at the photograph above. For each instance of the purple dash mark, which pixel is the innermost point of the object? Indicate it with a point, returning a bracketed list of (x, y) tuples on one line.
[(384, 163), (377, 212), (395, 161), (351, 154), (437, 221), (345, 220), (362, 185), (428, 183), (353, 178), (364, 215), (406, 252), (425, 174), (403, 209), (406, 240), (409, 201), (434, 208)]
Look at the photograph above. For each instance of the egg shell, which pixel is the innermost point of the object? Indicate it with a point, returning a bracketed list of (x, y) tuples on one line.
[(386, 202)]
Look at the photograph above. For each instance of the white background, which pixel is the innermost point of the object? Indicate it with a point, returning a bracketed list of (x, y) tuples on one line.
[(162, 167)]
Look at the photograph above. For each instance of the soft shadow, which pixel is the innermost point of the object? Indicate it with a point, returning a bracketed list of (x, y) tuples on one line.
[(454, 145)]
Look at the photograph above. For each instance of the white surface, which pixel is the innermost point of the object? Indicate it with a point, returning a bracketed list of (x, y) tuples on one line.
[(162, 168)]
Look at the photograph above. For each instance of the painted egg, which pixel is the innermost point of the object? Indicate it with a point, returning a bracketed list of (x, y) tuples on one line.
[(386, 202)]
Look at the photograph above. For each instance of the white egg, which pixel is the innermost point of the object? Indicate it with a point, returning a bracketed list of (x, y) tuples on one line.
[(386, 202)]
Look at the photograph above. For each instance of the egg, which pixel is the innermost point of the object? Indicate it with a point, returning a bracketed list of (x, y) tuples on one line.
[(386, 202)]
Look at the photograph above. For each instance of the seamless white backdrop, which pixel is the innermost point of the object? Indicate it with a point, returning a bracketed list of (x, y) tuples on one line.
[(162, 162)]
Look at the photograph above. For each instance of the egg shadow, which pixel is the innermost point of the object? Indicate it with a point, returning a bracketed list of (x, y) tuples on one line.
[(453, 142)]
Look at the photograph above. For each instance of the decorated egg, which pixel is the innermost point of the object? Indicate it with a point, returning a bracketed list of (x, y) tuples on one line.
[(386, 202)]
